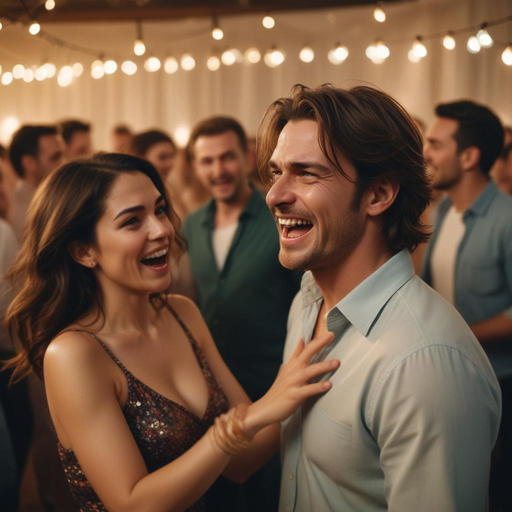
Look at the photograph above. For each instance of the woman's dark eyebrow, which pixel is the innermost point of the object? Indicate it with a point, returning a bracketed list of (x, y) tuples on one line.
[(137, 208)]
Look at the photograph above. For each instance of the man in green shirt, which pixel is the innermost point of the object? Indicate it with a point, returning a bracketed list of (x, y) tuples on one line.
[(243, 291)]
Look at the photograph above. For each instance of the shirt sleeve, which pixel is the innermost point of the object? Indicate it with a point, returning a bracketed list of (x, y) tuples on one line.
[(435, 418), (508, 272)]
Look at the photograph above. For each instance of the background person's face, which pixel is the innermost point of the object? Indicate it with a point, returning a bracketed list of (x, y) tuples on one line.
[(50, 155), (440, 151), (80, 145), (162, 156), (221, 165)]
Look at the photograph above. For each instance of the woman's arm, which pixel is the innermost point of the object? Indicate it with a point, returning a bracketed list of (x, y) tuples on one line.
[(83, 392), (266, 441)]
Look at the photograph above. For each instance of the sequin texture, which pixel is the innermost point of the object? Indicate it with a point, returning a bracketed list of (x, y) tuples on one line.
[(162, 429)]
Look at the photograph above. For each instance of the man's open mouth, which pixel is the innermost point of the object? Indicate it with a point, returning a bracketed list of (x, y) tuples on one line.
[(294, 228), (157, 259)]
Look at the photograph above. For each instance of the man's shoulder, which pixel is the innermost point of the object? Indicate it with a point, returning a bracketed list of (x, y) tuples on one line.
[(501, 208), (195, 218)]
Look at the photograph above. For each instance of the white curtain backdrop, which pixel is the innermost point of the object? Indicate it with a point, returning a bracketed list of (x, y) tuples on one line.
[(175, 102)]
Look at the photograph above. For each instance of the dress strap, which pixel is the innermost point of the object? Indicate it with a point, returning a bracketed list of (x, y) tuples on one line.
[(107, 350), (183, 326)]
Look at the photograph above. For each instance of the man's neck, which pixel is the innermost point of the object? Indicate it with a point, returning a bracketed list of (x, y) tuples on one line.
[(337, 282), (467, 190), (227, 213)]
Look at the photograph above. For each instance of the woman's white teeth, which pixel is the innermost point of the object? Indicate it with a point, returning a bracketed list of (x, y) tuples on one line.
[(157, 254), (293, 222)]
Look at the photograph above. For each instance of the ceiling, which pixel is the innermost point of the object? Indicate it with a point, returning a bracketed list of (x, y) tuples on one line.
[(117, 10)]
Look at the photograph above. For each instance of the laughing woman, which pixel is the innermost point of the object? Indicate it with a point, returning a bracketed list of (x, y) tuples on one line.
[(146, 412)]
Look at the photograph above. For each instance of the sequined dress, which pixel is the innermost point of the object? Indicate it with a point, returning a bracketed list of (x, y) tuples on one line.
[(162, 429)]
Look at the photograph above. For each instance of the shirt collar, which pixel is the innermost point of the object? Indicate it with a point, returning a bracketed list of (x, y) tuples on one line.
[(483, 201), (363, 304), (253, 208)]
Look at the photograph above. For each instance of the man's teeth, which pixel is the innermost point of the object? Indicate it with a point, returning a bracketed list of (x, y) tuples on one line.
[(293, 222), (158, 254)]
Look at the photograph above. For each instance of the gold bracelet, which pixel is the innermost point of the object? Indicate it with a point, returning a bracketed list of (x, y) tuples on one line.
[(227, 434)]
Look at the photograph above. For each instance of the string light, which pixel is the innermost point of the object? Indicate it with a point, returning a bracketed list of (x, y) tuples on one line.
[(228, 58), (171, 65), (188, 62), (449, 41), (413, 57), (40, 74), (78, 69), (28, 75), (307, 54), (506, 56), (484, 38), (97, 69), (213, 63), (139, 48), (128, 67), (1, 26), (7, 78), (268, 21), (66, 72), (377, 52), (17, 71), (217, 32), (50, 69), (274, 58), (473, 45), (110, 67), (35, 28), (252, 55), (379, 14), (338, 54), (152, 64), (49, 5), (419, 48)]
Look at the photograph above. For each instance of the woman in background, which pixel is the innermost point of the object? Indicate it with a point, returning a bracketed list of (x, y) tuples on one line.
[(146, 412)]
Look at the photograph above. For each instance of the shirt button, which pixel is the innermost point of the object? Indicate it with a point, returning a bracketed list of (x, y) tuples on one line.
[(290, 476)]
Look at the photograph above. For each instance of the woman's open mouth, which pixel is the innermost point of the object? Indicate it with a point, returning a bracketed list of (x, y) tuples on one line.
[(157, 259)]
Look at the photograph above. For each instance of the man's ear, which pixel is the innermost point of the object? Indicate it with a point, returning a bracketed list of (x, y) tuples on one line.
[(380, 196), (84, 254), (469, 158)]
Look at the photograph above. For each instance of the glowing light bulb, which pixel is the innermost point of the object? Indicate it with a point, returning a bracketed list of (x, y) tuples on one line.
[(50, 69), (128, 67), (17, 71), (377, 52), (268, 22), (97, 69), (449, 42), (66, 72), (171, 65), (7, 78), (473, 45), (152, 64), (110, 67), (419, 48), (506, 56), (379, 15), (49, 5), (484, 38), (413, 56), (274, 58), (338, 54), (252, 55), (64, 81), (28, 75), (213, 63), (35, 28), (307, 54), (139, 48), (40, 73), (1, 26), (217, 33), (78, 69), (188, 62), (228, 58)]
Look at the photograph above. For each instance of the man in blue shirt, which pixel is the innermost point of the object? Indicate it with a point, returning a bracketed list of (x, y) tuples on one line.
[(469, 259), (414, 408)]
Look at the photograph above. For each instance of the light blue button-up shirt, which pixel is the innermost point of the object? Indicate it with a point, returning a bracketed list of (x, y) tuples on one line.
[(483, 267), (414, 410)]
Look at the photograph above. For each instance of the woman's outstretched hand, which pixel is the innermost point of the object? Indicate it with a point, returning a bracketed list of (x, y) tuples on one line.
[(292, 386)]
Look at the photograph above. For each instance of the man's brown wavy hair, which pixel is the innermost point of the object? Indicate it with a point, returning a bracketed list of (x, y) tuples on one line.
[(375, 134)]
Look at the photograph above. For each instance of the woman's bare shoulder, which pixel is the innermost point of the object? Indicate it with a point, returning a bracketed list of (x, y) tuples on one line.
[(190, 315)]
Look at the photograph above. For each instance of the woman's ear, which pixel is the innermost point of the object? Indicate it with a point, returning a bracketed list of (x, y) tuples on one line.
[(83, 254), (381, 195)]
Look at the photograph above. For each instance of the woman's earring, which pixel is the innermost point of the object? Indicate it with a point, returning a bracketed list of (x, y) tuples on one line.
[(91, 264)]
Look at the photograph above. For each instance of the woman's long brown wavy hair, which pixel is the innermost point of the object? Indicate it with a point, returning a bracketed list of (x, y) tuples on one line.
[(53, 290)]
